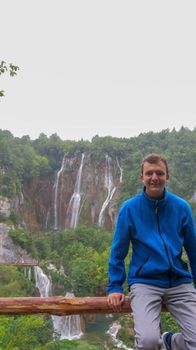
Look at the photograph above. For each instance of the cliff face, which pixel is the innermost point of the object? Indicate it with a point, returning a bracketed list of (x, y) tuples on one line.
[(11, 253), (82, 191)]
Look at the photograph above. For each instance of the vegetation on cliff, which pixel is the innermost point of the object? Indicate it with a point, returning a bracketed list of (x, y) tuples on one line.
[(22, 159), (83, 254)]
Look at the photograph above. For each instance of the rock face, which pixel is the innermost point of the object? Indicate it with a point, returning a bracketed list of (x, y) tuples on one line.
[(194, 197), (5, 206), (11, 253), (83, 191)]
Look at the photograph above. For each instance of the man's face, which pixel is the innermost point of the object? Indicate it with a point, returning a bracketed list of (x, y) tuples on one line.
[(154, 178)]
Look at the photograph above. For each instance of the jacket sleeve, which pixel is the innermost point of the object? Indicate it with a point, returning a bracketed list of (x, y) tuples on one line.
[(190, 241), (119, 250)]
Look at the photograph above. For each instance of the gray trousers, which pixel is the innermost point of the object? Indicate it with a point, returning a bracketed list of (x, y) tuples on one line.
[(146, 302)]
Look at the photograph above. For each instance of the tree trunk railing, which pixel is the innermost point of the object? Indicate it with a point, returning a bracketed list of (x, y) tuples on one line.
[(59, 305)]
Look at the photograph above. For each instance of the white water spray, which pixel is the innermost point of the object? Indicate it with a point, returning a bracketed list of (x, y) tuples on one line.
[(74, 204), (42, 282), (56, 192), (68, 327), (110, 190)]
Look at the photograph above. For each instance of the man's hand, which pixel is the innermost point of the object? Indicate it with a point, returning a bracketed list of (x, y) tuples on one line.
[(115, 300)]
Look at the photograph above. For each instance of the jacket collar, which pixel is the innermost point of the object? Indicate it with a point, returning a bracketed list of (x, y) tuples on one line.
[(152, 201)]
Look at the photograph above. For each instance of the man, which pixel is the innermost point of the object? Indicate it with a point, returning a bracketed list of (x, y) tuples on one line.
[(158, 224)]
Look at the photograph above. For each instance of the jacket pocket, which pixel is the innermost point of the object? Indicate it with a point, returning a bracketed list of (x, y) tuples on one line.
[(138, 272)]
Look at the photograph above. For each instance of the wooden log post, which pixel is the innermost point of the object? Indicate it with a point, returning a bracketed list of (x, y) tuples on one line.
[(58, 305)]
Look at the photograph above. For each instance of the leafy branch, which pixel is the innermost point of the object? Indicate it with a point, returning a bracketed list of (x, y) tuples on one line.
[(9, 68)]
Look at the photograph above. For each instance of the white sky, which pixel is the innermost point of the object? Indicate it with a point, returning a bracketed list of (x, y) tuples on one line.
[(103, 67)]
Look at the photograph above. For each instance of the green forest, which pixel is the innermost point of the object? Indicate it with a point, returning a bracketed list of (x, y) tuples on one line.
[(22, 159), (82, 252)]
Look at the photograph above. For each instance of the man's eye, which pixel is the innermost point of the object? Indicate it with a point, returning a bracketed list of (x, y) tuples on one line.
[(160, 173)]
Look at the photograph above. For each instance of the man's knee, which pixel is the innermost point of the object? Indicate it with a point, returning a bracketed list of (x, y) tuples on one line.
[(148, 342)]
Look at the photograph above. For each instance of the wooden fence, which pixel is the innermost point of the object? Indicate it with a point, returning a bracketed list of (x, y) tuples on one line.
[(58, 305)]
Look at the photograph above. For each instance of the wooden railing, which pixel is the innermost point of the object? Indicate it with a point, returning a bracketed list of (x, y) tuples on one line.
[(58, 305)]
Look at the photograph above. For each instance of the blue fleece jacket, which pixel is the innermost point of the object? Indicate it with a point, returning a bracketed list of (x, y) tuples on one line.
[(158, 231)]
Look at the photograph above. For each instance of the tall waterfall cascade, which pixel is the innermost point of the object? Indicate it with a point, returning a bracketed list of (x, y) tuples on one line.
[(110, 189), (120, 168), (113, 332), (74, 204), (82, 190), (56, 193), (68, 327)]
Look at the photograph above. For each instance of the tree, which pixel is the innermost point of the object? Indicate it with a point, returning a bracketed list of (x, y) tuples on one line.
[(7, 68), (25, 332)]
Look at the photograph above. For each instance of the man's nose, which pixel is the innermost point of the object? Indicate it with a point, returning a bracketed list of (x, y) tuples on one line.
[(154, 175)]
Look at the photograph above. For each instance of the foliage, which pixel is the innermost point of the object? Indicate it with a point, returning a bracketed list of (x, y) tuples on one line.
[(7, 68), (19, 162), (35, 333), (167, 322), (72, 345), (20, 237), (3, 218), (83, 253), (13, 282), (21, 332), (126, 332), (24, 332)]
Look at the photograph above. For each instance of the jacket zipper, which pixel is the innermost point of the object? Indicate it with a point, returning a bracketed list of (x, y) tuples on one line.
[(165, 247)]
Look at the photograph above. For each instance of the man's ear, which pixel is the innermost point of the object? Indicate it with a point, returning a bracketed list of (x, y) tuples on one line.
[(141, 178), (167, 177)]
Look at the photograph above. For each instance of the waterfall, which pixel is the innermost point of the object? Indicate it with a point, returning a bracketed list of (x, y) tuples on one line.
[(74, 204), (27, 272), (42, 282), (68, 327), (108, 184), (121, 170), (113, 331), (56, 192), (47, 219)]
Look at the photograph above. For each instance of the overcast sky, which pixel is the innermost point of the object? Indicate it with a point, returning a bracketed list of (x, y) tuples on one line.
[(101, 67)]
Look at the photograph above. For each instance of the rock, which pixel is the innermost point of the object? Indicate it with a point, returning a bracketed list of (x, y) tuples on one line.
[(5, 206), (11, 253)]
